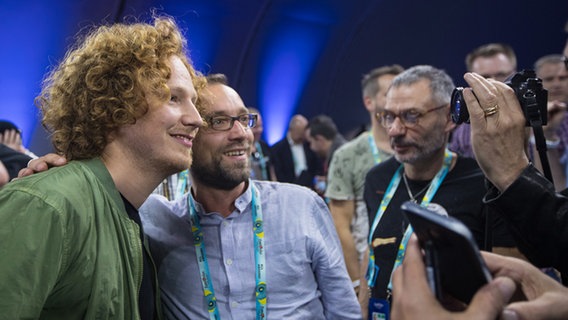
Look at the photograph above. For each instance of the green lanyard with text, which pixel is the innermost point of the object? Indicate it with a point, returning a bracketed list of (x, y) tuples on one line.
[(260, 257), (372, 270)]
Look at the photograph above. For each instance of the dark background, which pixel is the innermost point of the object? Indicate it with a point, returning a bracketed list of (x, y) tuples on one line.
[(282, 56)]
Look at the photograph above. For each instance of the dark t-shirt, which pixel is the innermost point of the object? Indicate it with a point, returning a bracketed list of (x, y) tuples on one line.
[(146, 301), (460, 194)]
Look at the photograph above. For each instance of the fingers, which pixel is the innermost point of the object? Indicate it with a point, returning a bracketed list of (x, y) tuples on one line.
[(42, 164), (12, 139), (551, 305), (492, 298), (412, 272), (411, 293)]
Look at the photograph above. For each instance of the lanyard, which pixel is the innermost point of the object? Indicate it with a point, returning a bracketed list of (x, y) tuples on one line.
[(374, 148), (182, 184), (260, 257), (389, 193), (262, 161)]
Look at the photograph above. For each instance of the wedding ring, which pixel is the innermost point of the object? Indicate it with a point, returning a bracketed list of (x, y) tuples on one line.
[(491, 111)]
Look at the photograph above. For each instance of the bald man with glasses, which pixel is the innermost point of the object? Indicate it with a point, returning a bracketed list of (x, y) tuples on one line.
[(416, 117)]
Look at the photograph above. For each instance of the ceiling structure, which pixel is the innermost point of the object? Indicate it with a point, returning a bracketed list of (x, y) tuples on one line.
[(282, 56)]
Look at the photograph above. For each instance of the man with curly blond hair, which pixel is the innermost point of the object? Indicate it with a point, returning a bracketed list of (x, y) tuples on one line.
[(121, 108)]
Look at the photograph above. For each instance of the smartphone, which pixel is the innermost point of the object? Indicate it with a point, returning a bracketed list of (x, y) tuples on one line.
[(454, 265)]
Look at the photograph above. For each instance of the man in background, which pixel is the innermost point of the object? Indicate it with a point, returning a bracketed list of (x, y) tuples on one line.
[(324, 139), (348, 168), (423, 170), (493, 61), (261, 165), (293, 160), (551, 70)]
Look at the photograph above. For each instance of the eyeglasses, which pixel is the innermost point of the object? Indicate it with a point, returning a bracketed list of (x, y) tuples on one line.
[(225, 123), (565, 60), (408, 118)]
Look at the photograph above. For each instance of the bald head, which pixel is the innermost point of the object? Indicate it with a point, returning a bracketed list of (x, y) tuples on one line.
[(297, 128)]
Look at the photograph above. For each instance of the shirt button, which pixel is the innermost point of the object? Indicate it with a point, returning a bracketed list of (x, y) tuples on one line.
[(225, 223), (229, 261), (234, 304)]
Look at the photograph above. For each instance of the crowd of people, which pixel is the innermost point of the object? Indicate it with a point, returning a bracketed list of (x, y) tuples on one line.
[(164, 201)]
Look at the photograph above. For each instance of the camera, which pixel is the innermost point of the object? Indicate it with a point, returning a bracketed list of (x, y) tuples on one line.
[(528, 89)]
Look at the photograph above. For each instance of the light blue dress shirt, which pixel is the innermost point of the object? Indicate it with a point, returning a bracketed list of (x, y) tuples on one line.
[(305, 271)]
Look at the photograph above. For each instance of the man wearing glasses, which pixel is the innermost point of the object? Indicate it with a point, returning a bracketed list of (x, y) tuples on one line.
[(416, 117), (236, 248)]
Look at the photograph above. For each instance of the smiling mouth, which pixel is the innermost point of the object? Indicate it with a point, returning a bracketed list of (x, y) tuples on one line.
[(235, 153), (186, 140)]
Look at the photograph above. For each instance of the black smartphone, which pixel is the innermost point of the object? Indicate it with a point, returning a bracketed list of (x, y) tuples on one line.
[(454, 265)]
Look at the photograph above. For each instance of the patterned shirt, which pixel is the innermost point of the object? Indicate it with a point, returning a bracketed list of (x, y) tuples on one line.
[(346, 181)]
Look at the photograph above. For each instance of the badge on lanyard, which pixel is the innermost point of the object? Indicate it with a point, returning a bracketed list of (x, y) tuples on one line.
[(379, 309)]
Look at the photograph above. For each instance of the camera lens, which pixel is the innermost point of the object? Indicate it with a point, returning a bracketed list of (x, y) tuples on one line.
[(458, 108)]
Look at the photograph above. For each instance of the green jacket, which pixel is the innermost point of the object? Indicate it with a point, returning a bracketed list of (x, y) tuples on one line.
[(68, 249)]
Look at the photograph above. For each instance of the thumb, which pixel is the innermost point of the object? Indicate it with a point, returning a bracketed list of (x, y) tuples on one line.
[(492, 298)]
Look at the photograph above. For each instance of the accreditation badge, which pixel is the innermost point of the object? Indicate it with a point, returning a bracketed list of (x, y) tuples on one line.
[(379, 309)]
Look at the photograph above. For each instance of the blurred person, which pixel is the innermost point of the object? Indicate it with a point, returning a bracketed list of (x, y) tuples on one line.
[(4, 176), (13, 161), (293, 160), (261, 166), (347, 170), (544, 297), (120, 103), (11, 136), (324, 139), (494, 61), (551, 70), (252, 258), (416, 116)]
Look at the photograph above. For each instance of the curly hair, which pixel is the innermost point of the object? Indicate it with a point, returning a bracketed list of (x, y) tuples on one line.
[(105, 81)]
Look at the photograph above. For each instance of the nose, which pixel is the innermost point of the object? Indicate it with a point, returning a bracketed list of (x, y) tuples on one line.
[(191, 117), (397, 128), (240, 131)]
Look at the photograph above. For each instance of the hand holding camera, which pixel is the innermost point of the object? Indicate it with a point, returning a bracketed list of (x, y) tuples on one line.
[(498, 139)]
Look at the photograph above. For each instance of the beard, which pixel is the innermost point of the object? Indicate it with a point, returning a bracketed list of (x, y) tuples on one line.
[(423, 149), (217, 175)]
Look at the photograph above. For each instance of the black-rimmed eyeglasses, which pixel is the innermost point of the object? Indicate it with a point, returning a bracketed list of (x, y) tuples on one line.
[(226, 123)]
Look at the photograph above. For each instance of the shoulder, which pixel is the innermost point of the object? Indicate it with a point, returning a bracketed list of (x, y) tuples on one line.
[(280, 144), (287, 196), (466, 167), (387, 167)]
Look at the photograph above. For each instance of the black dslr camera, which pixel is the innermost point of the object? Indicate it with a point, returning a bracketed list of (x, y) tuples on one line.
[(528, 88)]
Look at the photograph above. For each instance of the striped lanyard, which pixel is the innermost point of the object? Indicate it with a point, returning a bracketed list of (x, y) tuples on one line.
[(260, 257), (374, 148), (261, 161), (373, 269)]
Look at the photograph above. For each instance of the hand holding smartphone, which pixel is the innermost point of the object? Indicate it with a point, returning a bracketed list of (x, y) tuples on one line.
[(454, 265)]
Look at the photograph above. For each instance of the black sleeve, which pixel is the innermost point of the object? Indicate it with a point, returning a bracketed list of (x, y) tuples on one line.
[(13, 160), (537, 216)]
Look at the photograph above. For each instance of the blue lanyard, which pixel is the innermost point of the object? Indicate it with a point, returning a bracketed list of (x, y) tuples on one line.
[(181, 189), (372, 270), (374, 148), (260, 257)]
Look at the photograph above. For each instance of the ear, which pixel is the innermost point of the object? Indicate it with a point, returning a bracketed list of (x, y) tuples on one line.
[(450, 125), (368, 102)]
